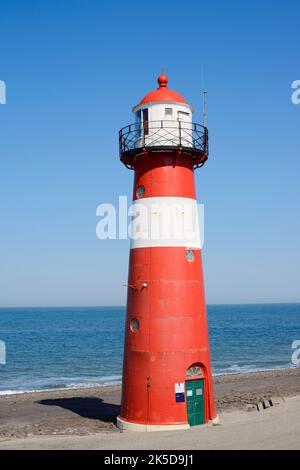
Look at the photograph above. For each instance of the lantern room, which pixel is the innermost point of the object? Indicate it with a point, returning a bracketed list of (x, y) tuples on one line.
[(163, 104), (163, 120)]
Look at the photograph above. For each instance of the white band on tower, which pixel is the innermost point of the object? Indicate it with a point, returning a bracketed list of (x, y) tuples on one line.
[(166, 222)]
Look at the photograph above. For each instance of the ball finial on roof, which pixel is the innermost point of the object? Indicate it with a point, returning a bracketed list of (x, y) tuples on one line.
[(163, 93), (162, 80)]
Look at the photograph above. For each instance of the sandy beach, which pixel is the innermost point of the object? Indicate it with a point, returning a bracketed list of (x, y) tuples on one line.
[(85, 418)]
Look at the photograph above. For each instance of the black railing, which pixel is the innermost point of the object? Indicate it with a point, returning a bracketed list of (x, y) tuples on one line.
[(158, 135)]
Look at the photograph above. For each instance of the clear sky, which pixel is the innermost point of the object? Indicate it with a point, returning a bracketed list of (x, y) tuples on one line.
[(73, 71)]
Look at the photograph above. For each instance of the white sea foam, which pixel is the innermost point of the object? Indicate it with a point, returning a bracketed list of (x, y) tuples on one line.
[(90, 383), (117, 380), (235, 369)]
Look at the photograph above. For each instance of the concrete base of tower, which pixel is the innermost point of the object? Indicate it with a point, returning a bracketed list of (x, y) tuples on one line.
[(128, 426)]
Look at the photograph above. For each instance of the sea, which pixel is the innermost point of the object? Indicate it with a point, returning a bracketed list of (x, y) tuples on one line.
[(65, 348)]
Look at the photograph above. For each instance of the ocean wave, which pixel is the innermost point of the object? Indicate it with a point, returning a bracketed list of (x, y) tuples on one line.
[(247, 369), (77, 383)]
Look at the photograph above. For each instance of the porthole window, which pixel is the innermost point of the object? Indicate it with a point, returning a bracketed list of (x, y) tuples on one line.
[(134, 325), (140, 192), (190, 255)]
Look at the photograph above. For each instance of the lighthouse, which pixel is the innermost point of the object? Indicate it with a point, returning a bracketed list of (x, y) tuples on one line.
[(167, 379)]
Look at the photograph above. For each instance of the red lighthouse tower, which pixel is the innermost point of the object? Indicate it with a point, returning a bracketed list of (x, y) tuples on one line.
[(167, 380)]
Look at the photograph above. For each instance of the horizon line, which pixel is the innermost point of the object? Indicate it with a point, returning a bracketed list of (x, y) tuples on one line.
[(124, 305)]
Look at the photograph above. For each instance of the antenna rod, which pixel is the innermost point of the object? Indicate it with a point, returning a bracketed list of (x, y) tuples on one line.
[(204, 108)]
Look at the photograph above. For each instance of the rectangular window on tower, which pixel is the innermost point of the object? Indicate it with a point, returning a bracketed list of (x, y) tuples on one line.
[(145, 121), (183, 116), (168, 112), (138, 120)]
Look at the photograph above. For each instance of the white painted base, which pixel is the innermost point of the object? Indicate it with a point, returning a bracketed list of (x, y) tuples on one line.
[(127, 426), (216, 421)]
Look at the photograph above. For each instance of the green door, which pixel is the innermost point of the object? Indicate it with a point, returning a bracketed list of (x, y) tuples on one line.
[(195, 401)]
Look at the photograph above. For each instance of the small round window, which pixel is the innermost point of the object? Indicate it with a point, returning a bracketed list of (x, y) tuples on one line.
[(140, 192), (134, 325), (189, 255)]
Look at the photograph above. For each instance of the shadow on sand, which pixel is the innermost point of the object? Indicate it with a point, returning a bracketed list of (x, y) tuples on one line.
[(87, 407)]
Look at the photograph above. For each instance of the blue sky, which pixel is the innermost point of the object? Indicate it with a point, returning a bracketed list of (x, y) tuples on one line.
[(73, 71)]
